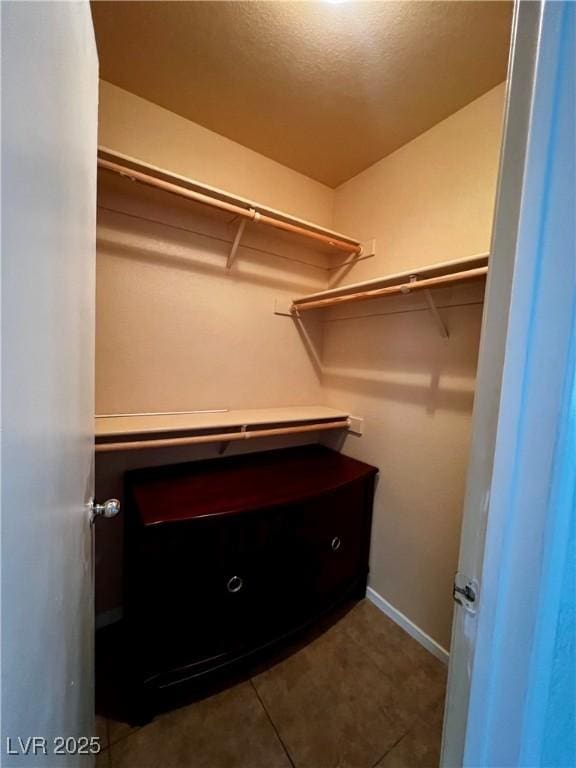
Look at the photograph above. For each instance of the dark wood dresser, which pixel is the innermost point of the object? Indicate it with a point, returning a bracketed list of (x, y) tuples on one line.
[(227, 558)]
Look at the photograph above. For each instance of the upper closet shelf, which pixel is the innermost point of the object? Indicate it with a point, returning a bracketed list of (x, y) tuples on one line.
[(246, 211), (150, 430), (446, 273), (422, 279)]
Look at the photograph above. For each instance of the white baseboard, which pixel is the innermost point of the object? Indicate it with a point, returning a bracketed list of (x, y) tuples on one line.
[(108, 617), (408, 626)]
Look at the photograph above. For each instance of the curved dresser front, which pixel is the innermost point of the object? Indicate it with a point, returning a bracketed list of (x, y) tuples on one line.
[(227, 558)]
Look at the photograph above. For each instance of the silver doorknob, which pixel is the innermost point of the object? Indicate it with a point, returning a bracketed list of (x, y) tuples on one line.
[(110, 508)]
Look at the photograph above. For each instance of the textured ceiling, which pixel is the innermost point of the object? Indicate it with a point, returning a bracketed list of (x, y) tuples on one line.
[(322, 87)]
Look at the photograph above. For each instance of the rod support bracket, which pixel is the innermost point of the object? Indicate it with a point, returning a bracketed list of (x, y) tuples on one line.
[(235, 244), (440, 324)]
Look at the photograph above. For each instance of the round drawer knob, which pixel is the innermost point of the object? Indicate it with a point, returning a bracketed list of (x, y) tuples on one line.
[(235, 584), (336, 543)]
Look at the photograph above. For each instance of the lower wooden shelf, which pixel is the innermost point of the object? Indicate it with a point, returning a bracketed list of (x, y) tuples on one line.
[(152, 430)]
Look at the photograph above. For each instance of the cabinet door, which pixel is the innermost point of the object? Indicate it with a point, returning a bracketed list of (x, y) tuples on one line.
[(324, 549), (204, 585)]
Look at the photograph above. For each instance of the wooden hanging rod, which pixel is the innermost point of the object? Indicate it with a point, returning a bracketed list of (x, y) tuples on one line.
[(251, 214), (223, 437), (398, 278), (455, 277)]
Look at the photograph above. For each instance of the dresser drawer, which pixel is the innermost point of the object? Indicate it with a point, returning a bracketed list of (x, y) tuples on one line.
[(213, 577), (204, 588)]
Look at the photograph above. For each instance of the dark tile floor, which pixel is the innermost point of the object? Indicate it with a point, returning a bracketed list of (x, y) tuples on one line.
[(362, 695)]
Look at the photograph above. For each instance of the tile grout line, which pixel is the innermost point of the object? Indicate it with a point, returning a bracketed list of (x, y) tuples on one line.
[(391, 748), (377, 666), (108, 754), (108, 745), (372, 659), (365, 651), (134, 729), (273, 724)]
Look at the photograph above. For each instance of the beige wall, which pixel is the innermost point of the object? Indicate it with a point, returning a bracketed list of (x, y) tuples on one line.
[(175, 332), (432, 200), (429, 202), (137, 127)]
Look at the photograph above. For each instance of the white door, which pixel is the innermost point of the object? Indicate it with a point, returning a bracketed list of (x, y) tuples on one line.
[(523, 379), (49, 139)]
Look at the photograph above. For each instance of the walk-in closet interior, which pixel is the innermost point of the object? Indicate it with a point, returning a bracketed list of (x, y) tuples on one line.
[(295, 204)]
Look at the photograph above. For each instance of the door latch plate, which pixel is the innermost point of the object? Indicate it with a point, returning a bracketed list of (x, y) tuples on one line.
[(465, 593)]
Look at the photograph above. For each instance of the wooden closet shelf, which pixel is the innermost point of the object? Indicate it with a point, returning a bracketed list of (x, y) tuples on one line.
[(424, 278), (139, 431), (246, 211)]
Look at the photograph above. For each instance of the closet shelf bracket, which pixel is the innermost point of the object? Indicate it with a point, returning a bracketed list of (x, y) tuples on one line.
[(440, 324), (255, 218), (235, 244)]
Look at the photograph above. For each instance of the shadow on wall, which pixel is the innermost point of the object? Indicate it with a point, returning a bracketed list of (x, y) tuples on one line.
[(150, 228), (399, 356), (190, 259), (312, 337), (432, 395)]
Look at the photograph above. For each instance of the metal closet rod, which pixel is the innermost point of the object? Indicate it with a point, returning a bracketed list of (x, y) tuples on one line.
[(247, 213), (224, 437), (416, 285)]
